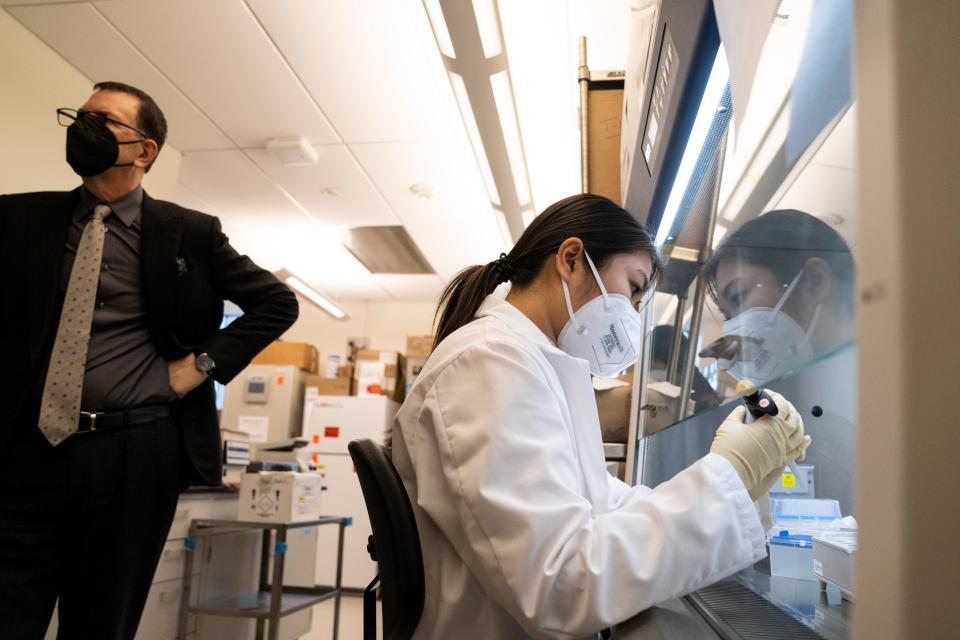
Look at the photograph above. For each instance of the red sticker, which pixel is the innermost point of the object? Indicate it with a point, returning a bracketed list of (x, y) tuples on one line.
[(331, 432), (279, 381), (316, 458), (316, 438)]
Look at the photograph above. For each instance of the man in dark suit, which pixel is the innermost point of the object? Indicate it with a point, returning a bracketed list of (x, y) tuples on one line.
[(111, 307)]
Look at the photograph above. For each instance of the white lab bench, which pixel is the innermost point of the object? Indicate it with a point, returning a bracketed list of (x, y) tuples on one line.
[(225, 565)]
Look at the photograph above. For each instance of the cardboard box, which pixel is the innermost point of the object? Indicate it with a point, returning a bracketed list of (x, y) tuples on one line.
[(345, 371), (613, 408), (299, 354), (380, 373), (412, 369), (279, 496), (419, 346), (605, 119), (319, 386)]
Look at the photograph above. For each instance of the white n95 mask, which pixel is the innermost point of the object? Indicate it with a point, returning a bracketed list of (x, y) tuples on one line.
[(770, 341), (605, 331)]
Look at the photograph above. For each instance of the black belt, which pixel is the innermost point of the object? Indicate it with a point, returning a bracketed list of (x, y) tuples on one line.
[(97, 421)]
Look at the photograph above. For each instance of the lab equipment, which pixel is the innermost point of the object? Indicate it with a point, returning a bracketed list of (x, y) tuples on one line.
[(805, 510), (833, 560), (265, 401), (796, 482), (791, 556)]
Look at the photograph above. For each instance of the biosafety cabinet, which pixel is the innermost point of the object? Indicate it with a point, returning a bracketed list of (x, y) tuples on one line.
[(743, 165)]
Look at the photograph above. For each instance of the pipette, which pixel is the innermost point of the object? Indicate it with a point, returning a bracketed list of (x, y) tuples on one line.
[(759, 403)]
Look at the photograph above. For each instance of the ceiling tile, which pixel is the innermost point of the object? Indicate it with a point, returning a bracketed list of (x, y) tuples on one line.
[(826, 192), (412, 288), (80, 34), (187, 197), (232, 183), (840, 147), (309, 251), (218, 54), (367, 65), (456, 227), (357, 202)]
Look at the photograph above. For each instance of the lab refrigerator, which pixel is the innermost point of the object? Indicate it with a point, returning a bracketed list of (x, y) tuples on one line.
[(329, 424)]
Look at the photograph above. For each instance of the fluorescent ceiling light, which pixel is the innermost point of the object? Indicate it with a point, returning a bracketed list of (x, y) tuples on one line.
[(503, 96), (504, 229), (486, 14), (528, 217), (762, 160), (463, 101), (307, 292), (439, 25), (712, 95)]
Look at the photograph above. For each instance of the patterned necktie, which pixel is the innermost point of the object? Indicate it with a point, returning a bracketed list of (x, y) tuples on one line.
[(60, 407)]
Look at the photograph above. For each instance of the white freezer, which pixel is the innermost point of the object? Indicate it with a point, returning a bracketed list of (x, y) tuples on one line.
[(330, 423)]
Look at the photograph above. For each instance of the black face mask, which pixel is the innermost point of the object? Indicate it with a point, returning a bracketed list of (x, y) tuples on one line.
[(91, 147)]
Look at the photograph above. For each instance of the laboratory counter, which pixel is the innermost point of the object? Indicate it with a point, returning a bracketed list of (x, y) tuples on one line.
[(742, 605)]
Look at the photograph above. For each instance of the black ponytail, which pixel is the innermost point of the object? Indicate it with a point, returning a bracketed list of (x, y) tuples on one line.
[(605, 228)]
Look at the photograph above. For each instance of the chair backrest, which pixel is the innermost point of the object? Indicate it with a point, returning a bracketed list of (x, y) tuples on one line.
[(395, 536)]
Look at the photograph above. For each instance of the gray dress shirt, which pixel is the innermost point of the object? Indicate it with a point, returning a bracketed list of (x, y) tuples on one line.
[(124, 369)]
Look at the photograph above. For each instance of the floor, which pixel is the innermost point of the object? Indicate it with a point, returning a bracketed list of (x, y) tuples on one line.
[(351, 620)]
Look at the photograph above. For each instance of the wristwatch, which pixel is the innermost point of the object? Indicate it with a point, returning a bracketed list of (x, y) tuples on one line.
[(205, 364)]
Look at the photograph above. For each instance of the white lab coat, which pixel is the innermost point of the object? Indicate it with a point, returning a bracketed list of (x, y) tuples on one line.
[(524, 533)]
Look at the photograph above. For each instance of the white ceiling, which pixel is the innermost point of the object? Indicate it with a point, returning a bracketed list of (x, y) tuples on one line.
[(827, 185), (364, 83)]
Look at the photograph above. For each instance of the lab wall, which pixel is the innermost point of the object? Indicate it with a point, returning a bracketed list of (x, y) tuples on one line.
[(34, 81), (387, 324)]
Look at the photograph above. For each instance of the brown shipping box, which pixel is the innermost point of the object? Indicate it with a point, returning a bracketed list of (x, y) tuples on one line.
[(383, 369), (315, 385), (605, 115), (299, 354), (419, 346)]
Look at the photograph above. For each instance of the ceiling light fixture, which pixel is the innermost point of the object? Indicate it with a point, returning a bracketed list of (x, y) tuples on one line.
[(480, 79), (473, 132), (489, 25), (503, 96), (528, 217), (435, 13), (305, 290)]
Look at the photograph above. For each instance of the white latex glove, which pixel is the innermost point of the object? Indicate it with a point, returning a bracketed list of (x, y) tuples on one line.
[(759, 451)]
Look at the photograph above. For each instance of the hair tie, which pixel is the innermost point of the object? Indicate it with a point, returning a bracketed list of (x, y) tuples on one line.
[(504, 269)]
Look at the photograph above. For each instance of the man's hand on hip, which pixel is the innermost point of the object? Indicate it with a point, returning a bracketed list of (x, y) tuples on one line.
[(184, 376)]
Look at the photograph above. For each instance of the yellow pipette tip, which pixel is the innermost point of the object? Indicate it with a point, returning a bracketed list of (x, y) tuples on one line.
[(744, 386)]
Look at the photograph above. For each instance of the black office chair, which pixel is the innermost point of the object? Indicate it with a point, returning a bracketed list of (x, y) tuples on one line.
[(394, 545)]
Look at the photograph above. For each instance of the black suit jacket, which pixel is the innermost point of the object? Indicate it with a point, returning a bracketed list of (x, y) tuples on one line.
[(184, 307)]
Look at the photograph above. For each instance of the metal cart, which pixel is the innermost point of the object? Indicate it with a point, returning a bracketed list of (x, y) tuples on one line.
[(272, 600)]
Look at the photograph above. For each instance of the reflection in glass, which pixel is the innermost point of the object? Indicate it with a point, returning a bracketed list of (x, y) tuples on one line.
[(784, 285)]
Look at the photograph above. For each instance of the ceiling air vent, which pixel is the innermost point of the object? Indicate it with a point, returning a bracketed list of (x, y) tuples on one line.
[(386, 250)]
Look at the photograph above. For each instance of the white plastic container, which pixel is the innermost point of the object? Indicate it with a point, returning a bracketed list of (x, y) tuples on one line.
[(791, 556)]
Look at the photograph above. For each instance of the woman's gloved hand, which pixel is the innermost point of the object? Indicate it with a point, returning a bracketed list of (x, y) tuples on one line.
[(760, 450)]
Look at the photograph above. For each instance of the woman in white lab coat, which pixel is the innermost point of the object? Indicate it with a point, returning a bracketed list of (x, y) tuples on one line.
[(524, 533)]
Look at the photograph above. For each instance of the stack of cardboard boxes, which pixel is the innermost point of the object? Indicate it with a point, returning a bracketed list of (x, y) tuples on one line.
[(386, 373)]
